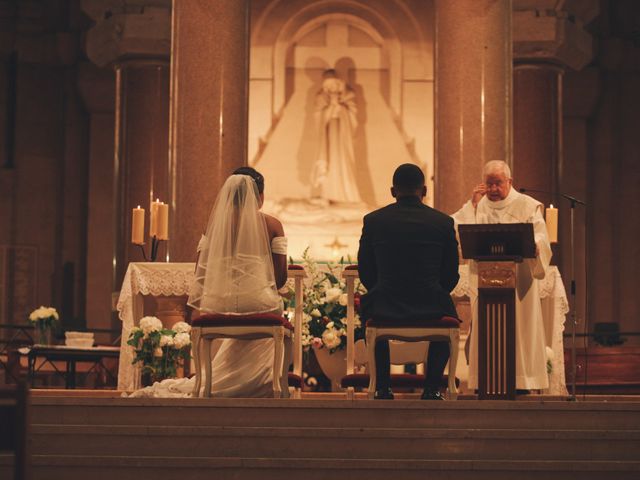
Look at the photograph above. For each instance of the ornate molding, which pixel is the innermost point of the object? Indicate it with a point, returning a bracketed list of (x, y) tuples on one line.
[(129, 29), (496, 275)]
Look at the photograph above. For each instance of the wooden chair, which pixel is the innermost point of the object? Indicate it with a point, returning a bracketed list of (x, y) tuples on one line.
[(14, 426), (444, 329), (209, 327)]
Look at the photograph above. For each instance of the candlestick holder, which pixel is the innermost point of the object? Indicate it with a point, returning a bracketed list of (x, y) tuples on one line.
[(155, 243)]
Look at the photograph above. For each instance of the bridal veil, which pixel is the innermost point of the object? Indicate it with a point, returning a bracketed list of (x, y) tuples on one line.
[(234, 274)]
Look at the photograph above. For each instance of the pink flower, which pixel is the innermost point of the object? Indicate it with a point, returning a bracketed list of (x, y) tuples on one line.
[(316, 342)]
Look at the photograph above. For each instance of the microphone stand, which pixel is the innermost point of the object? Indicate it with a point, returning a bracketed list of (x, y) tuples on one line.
[(573, 202)]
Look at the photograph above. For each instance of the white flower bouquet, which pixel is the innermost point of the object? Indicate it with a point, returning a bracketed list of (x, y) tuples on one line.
[(324, 322), (160, 350), (44, 319)]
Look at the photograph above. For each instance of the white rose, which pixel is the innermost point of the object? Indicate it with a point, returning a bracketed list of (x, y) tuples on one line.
[(166, 340), (343, 300), (331, 338), (157, 352), (181, 327), (332, 295), (181, 340), (150, 324), (357, 322), (315, 313), (306, 318), (329, 325)]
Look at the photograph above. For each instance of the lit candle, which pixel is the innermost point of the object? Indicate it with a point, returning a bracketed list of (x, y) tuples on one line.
[(551, 217), (163, 222), (137, 226), (153, 222)]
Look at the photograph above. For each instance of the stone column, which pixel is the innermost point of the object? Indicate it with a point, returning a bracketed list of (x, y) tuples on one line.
[(537, 128), (136, 42), (473, 94), (545, 42), (209, 93)]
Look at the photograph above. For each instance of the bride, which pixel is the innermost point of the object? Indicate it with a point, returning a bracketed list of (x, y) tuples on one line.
[(242, 262)]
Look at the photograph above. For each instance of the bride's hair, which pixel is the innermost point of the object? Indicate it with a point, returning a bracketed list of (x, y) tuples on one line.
[(253, 173)]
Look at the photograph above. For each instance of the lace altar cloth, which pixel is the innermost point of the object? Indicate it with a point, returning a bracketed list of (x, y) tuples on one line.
[(555, 307), (145, 279), (175, 279)]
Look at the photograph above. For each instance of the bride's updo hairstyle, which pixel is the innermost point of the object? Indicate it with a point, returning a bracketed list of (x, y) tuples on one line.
[(253, 173)]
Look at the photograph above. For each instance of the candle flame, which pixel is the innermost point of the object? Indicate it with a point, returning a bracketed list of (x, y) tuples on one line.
[(551, 205), (138, 206)]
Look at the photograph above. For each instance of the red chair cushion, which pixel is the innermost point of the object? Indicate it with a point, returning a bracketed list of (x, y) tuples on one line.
[(398, 380), (256, 320), (295, 381), (444, 322), (351, 267), (295, 267)]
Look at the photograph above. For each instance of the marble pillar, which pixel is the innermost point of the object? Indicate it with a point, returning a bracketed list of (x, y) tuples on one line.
[(473, 94), (537, 128), (209, 101), (136, 42)]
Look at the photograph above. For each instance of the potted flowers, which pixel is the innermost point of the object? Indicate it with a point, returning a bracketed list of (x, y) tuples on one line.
[(159, 350), (44, 319), (324, 324)]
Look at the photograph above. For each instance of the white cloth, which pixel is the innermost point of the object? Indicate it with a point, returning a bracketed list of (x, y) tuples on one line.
[(531, 372), (279, 245)]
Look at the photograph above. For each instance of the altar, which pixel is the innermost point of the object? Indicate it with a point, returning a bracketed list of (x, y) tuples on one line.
[(174, 279)]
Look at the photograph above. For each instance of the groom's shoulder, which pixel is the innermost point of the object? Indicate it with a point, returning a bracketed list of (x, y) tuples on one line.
[(380, 212)]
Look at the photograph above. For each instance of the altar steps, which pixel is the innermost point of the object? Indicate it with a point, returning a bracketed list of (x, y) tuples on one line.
[(96, 438)]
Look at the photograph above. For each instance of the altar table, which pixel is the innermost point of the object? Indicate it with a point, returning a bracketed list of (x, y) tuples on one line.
[(174, 279)]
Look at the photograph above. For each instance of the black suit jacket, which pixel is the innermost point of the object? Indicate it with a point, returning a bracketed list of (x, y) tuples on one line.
[(408, 260)]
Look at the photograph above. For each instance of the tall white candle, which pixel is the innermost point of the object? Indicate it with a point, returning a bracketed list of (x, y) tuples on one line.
[(551, 217), (137, 226), (163, 222), (153, 223)]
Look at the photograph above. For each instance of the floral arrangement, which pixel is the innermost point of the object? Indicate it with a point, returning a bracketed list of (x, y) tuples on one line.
[(160, 350), (44, 319), (324, 322)]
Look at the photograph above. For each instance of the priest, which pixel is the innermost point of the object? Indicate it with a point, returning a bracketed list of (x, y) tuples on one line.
[(496, 201)]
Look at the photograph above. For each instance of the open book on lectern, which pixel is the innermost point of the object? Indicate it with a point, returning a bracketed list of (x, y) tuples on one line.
[(497, 241)]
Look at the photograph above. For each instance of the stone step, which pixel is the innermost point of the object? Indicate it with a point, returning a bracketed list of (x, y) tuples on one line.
[(336, 443), (470, 414), (72, 467)]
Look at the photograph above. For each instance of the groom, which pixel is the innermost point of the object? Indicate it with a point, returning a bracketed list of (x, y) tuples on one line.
[(408, 261)]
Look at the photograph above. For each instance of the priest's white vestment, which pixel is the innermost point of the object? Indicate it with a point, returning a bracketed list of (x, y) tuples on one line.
[(531, 362)]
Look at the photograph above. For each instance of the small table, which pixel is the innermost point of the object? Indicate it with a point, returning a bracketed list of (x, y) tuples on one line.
[(70, 355)]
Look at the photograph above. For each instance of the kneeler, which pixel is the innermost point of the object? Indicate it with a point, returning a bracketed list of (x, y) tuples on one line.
[(209, 327), (442, 329)]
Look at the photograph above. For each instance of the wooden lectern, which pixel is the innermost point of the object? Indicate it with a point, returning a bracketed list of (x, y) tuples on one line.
[(497, 248)]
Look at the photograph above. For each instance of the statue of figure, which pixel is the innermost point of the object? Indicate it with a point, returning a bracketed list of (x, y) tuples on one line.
[(333, 175)]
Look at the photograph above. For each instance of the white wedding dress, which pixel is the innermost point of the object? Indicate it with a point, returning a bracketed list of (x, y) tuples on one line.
[(234, 276)]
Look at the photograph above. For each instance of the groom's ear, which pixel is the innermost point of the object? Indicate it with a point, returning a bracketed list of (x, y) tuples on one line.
[(424, 191), (393, 192)]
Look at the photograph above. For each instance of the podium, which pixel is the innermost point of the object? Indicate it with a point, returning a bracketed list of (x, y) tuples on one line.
[(497, 248)]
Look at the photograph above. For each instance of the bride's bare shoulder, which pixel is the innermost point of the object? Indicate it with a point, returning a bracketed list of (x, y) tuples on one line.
[(274, 226)]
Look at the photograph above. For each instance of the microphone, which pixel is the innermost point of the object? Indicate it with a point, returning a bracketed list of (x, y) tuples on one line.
[(573, 200)]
